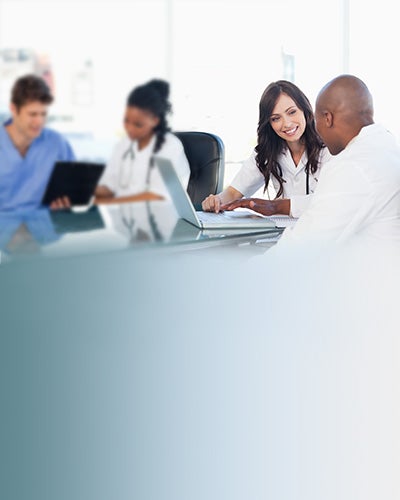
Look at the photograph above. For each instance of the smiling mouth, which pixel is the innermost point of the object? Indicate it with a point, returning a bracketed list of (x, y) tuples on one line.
[(291, 131)]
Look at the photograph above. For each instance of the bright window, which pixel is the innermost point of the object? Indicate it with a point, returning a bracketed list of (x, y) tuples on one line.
[(218, 55)]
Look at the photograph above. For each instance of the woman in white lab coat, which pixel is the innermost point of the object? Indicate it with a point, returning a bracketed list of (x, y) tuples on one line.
[(131, 169), (289, 153)]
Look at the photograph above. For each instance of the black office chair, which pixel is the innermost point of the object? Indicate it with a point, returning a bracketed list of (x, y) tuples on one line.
[(206, 155)]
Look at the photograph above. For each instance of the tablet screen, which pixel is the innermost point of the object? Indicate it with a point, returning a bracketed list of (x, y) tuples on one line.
[(75, 179)]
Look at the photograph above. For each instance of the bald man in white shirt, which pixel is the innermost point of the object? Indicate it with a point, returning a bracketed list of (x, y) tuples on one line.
[(358, 193)]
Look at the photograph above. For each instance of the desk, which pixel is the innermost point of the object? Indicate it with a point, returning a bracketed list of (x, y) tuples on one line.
[(145, 196), (142, 226)]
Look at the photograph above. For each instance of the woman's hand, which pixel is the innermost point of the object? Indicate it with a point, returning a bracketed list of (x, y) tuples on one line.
[(212, 203)]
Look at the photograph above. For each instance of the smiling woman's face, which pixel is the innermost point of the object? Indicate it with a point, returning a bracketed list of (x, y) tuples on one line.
[(287, 119)]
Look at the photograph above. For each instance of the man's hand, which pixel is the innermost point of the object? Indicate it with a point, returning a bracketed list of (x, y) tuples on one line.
[(60, 203), (264, 207)]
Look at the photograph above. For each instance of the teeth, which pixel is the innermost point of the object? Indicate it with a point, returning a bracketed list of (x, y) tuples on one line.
[(291, 130)]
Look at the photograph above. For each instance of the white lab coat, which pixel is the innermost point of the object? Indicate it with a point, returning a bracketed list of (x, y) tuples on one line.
[(127, 176), (358, 194)]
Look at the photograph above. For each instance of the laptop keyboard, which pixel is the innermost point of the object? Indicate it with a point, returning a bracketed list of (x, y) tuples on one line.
[(225, 216)]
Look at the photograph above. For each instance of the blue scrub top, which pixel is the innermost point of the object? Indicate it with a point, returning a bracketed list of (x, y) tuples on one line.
[(23, 180)]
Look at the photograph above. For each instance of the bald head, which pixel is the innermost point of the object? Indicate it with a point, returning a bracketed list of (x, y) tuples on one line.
[(343, 107)]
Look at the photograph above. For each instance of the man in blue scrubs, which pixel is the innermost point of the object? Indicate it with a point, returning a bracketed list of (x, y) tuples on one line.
[(28, 150)]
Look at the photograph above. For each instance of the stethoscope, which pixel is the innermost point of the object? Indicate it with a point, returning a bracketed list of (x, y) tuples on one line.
[(308, 179), (129, 157)]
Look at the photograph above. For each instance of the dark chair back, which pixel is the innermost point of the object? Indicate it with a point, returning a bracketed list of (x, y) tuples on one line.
[(206, 155)]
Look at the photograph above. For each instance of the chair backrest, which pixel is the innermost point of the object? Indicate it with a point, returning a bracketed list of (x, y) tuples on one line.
[(206, 155)]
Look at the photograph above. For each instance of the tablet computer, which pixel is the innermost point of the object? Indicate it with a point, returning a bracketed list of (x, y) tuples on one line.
[(75, 179)]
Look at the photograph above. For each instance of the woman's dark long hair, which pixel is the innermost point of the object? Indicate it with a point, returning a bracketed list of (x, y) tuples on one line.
[(153, 96), (270, 145)]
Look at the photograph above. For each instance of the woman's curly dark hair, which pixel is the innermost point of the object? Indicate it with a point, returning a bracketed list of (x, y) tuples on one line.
[(153, 96), (270, 145)]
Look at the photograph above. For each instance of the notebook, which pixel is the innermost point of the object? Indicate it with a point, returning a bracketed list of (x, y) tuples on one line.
[(240, 219), (75, 179)]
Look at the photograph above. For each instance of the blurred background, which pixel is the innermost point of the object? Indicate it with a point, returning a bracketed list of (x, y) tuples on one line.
[(218, 55)]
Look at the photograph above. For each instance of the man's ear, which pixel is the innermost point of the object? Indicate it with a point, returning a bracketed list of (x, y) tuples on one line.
[(328, 118), (13, 109)]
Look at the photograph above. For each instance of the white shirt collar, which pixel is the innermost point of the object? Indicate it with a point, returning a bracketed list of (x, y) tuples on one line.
[(145, 150)]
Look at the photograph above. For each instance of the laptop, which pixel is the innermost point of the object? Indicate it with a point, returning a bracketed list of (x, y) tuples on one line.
[(240, 219), (75, 179)]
